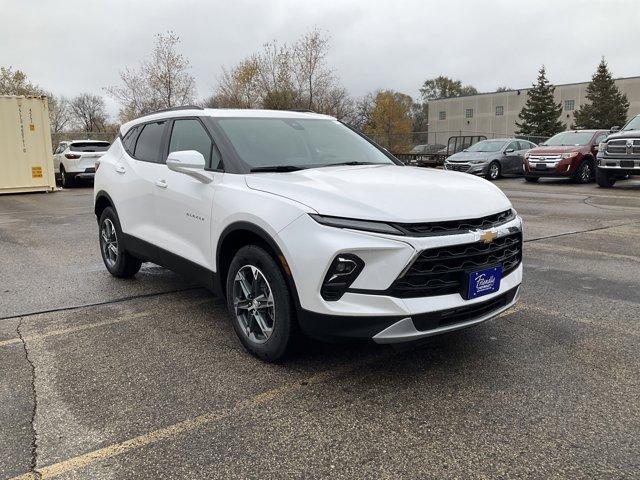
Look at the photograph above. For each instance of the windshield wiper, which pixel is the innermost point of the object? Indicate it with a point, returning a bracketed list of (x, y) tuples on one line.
[(347, 163), (277, 168)]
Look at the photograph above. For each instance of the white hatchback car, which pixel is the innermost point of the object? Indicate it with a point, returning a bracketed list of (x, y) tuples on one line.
[(304, 224), (77, 159)]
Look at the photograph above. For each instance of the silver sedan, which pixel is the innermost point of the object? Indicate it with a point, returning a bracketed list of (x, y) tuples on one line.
[(491, 158)]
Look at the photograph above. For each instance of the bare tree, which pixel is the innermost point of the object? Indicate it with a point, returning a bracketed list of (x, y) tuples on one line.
[(59, 112), (282, 76), (162, 81), (89, 112)]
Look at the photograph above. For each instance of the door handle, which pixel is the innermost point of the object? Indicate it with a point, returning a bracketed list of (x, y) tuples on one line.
[(120, 168), (161, 183)]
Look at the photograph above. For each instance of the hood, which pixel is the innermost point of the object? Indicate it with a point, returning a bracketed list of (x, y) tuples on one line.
[(624, 134), (386, 192), (542, 150), (466, 156)]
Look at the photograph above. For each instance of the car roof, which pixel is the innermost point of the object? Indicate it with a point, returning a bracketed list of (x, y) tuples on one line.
[(223, 113), (85, 140)]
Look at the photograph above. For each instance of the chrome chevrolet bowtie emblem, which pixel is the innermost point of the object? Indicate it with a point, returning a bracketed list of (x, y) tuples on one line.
[(488, 236), (629, 147)]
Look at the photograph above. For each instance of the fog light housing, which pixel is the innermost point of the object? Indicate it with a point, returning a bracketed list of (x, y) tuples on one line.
[(343, 271)]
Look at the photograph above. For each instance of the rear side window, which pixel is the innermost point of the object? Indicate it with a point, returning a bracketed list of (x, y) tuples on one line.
[(89, 146), (525, 145), (513, 146), (189, 134), (148, 143), (129, 140)]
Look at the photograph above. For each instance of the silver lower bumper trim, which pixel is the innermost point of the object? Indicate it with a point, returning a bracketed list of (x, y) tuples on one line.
[(405, 331)]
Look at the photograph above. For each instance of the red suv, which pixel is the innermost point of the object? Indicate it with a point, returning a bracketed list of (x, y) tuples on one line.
[(568, 154)]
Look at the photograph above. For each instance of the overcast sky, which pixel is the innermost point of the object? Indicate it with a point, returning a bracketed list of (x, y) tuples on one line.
[(73, 46)]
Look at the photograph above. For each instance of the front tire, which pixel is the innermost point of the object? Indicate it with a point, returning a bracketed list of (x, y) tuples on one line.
[(493, 172), (118, 261), (260, 303), (605, 179), (584, 173)]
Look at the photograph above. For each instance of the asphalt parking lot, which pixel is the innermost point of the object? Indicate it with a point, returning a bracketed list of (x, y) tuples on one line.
[(111, 379)]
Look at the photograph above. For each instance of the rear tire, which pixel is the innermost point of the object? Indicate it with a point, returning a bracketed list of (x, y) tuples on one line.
[(584, 172), (605, 179), (493, 171), (259, 301), (118, 261), (532, 179), (66, 180)]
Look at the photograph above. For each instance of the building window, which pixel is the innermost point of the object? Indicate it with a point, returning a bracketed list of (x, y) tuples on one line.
[(499, 110), (442, 115), (468, 113), (569, 104)]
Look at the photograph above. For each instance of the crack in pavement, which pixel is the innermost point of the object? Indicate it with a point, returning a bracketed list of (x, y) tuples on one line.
[(578, 232), (34, 434)]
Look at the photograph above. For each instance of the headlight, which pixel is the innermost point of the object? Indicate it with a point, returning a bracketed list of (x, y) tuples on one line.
[(477, 162), (365, 225), (602, 146), (569, 155), (526, 156)]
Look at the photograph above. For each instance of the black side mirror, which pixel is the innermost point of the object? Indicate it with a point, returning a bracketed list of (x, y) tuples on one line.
[(614, 129)]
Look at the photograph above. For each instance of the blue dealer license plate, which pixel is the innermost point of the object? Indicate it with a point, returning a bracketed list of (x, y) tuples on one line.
[(483, 282)]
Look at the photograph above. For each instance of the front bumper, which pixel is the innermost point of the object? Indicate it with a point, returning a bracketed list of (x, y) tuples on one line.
[(623, 165), (368, 315), (561, 168)]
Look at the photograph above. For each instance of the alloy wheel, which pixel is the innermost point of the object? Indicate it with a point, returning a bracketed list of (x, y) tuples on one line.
[(585, 173), (253, 304), (109, 242), (494, 171)]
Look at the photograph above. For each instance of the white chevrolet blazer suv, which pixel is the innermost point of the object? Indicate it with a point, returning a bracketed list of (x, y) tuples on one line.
[(304, 225)]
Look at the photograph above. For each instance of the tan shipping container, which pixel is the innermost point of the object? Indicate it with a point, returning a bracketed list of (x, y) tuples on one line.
[(26, 159)]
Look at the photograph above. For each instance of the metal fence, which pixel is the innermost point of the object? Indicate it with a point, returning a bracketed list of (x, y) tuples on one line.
[(404, 142)]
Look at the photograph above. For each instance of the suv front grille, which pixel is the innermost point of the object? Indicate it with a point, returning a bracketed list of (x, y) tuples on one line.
[(455, 227), (619, 147), (443, 270)]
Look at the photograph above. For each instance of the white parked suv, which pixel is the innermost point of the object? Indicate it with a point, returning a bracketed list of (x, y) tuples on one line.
[(77, 159), (305, 225)]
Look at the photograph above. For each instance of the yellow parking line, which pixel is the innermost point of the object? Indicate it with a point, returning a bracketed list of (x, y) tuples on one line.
[(188, 425), (86, 326)]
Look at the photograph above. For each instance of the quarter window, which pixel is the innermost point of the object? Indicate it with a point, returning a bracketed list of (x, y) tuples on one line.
[(148, 143), (189, 134), (499, 110), (468, 113), (569, 104), (129, 140), (442, 115)]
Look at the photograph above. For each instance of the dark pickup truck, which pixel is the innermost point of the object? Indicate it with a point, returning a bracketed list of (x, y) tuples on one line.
[(619, 155)]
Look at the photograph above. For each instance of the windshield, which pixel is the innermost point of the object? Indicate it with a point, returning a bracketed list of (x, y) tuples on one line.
[(487, 146), (634, 124), (569, 139), (303, 143), (89, 146)]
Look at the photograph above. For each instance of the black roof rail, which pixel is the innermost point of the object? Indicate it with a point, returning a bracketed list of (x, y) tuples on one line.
[(182, 107)]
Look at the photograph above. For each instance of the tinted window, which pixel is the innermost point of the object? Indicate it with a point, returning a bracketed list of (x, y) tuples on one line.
[(513, 146), (89, 146), (297, 142), (129, 141), (189, 134), (148, 144), (524, 145)]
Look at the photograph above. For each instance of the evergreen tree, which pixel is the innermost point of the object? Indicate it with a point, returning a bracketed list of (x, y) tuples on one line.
[(607, 107), (540, 114)]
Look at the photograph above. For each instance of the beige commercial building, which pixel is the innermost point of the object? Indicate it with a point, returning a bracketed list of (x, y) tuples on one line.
[(495, 114)]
